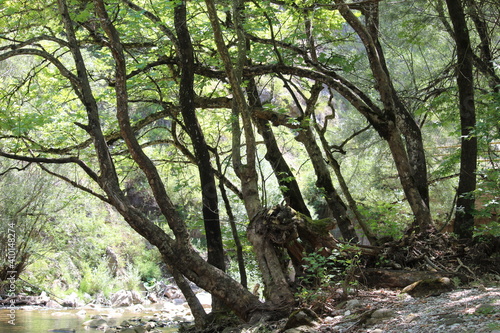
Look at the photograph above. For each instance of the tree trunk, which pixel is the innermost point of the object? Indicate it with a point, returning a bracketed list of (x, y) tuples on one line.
[(324, 182), (277, 288), (186, 99), (288, 184), (464, 218), (178, 253), (409, 160), (485, 61), (343, 185)]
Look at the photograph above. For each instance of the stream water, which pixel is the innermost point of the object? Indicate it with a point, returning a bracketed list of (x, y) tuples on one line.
[(35, 320)]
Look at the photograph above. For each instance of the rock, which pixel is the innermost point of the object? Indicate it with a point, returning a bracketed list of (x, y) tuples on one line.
[(53, 304), (429, 287), (81, 313), (125, 298), (302, 317), (383, 313), (153, 298), (352, 304), (100, 324), (72, 301), (44, 298), (380, 315), (301, 329), (178, 301)]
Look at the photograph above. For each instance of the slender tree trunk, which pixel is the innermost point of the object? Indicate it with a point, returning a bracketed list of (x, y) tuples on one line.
[(324, 182), (234, 230), (288, 184), (485, 61), (202, 154), (409, 159), (195, 306), (276, 287), (343, 185), (464, 218), (177, 252)]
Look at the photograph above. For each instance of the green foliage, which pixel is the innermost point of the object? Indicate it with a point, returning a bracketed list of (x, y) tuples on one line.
[(132, 278), (323, 274), (490, 229), (386, 219), (148, 265), (96, 279)]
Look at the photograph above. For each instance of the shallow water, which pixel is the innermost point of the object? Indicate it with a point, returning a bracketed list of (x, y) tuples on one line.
[(34, 320)]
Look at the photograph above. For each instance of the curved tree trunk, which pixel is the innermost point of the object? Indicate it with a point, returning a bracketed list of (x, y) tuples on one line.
[(324, 182), (343, 185), (178, 253)]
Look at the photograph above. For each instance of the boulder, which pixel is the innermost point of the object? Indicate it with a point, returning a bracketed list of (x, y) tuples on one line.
[(72, 301), (125, 298)]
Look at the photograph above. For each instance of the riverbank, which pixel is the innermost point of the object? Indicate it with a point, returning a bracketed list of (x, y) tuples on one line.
[(164, 315)]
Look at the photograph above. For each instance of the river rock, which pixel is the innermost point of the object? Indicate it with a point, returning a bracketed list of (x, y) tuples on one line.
[(126, 298), (100, 324), (380, 315), (352, 304), (72, 301), (53, 304)]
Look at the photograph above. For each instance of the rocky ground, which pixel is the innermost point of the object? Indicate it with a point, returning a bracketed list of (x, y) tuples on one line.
[(460, 310)]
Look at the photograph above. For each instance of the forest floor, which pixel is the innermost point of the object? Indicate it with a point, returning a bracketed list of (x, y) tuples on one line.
[(467, 301), (384, 310), (470, 309)]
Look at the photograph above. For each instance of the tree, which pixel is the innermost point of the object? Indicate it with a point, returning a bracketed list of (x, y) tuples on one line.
[(464, 218)]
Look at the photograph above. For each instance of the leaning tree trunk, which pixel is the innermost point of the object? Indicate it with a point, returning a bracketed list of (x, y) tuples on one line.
[(464, 218), (178, 253), (324, 182), (409, 160)]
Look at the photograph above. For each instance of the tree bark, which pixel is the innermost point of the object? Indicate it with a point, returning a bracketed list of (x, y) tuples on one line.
[(207, 180), (484, 62), (464, 218), (324, 182), (409, 160), (343, 185), (277, 288), (177, 252)]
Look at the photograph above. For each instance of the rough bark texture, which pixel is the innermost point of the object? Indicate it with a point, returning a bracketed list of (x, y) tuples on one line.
[(207, 180), (464, 218), (273, 277), (288, 184), (178, 253)]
